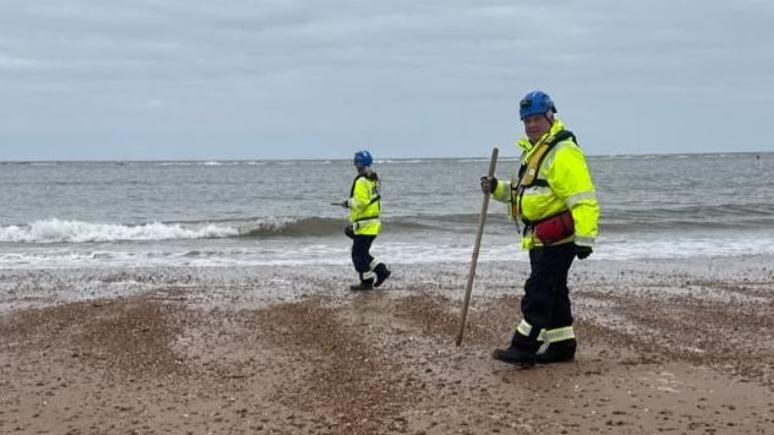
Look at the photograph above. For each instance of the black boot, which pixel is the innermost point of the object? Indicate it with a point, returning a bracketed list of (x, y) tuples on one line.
[(514, 355), (382, 273), (561, 351), (366, 284)]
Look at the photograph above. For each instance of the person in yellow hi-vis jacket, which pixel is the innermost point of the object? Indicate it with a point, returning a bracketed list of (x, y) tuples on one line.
[(553, 197), (365, 206)]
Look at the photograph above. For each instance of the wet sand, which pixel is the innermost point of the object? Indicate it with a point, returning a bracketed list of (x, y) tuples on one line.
[(677, 347)]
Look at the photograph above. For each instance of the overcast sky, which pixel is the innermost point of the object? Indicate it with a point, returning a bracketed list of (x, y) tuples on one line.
[(251, 79)]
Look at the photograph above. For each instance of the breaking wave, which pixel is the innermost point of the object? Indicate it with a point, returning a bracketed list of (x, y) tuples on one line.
[(616, 221), (72, 231), (58, 231)]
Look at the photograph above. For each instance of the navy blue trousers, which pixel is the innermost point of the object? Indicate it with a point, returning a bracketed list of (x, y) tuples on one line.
[(546, 301), (361, 256)]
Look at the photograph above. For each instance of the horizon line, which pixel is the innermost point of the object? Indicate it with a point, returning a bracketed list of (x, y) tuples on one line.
[(346, 159)]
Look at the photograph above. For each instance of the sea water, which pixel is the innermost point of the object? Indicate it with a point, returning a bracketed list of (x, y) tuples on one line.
[(232, 213)]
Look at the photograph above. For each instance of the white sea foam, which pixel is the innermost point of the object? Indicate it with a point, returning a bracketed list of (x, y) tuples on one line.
[(671, 246), (67, 231), (57, 231), (389, 162), (336, 251), (209, 163), (175, 164)]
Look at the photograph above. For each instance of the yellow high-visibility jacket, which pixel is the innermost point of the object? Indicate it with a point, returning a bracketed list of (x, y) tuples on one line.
[(569, 187), (364, 204)]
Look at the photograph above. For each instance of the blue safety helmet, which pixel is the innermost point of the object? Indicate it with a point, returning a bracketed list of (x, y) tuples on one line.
[(536, 102), (363, 158)]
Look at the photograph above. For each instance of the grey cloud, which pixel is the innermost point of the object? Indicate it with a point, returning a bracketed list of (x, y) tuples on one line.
[(247, 79)]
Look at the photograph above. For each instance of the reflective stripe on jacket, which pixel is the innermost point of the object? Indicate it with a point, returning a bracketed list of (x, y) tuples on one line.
[(364, 204), (569, 186)]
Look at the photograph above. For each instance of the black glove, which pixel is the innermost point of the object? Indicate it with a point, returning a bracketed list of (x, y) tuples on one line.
[(349, 231), (488, 184), (345, 204), (582, 251)]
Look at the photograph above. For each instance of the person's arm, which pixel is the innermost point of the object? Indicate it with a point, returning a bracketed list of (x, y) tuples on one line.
[(361, 197), (502, 191), (570, 179), (499, 189)]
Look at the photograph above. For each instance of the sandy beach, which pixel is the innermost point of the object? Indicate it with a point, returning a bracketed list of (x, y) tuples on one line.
[(665, 346)]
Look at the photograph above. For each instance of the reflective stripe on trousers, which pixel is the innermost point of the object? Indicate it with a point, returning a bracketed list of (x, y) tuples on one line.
[(370, 274), (546, 301), (547, 335)]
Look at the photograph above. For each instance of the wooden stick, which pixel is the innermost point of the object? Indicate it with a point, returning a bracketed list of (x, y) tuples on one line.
[(474, 260)]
